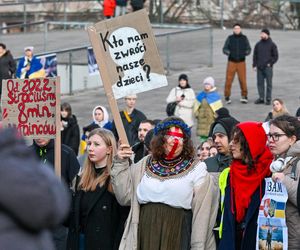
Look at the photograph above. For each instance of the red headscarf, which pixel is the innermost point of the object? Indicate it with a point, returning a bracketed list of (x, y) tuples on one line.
[(243, 182)]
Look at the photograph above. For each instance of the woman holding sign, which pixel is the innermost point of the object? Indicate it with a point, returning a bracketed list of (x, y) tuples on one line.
[(284, 143), (173, 199), (242, 187), (95, 215)]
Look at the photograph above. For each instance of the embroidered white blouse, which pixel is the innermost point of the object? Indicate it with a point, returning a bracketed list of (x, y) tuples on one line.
[(176, 191)]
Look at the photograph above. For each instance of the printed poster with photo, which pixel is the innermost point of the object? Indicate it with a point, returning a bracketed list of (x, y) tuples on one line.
[(272, 230), (92, 63), (49, 63)]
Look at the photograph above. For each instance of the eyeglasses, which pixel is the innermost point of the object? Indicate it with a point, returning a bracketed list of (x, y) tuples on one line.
[(275, 137)]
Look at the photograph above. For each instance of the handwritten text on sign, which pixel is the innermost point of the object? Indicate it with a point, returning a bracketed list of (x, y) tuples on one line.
[(29, 105), (127, 54)]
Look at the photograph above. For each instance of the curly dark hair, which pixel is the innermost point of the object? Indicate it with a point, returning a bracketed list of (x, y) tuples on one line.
[(290, 125), (247, 159), (158, 141)]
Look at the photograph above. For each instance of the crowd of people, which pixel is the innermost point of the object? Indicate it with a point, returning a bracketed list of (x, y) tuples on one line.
[(159, 191)]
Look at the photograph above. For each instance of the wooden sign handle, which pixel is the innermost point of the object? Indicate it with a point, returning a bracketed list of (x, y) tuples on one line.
[(99, 55), (57, 145)]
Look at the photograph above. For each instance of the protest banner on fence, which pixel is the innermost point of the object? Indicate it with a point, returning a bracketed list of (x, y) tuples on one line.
[(127, 57), (92, 63), (32, 106), (49, 63)]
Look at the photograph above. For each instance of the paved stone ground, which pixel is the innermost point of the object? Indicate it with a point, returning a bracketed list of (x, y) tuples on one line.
[(285, 80)]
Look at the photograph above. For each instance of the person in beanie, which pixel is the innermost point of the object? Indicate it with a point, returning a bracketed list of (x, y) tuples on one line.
[(206, 104), (173, 198), (264, 57), (242, 187), (221, 131), (184, 95), (236, 47)]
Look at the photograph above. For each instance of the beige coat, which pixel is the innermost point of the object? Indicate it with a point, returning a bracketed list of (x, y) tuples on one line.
[(125, 180), (292, 214), (184, 109)]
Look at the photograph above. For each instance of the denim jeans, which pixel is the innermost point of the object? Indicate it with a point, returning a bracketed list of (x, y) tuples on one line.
[(262, 74)]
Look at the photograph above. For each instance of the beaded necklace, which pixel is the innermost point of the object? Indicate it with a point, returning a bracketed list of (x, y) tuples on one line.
[(169, 169)]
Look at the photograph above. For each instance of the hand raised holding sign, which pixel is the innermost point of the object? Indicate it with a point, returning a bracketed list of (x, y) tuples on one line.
[(124, 151)]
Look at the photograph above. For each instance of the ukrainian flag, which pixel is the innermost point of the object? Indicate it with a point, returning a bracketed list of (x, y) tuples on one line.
[(213, 99), (280, 210)]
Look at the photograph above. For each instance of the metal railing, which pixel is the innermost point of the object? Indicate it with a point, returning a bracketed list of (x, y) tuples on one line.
[(178, 52)]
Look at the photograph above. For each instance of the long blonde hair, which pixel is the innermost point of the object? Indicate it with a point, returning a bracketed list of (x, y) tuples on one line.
[(89, 179), (283, 111)]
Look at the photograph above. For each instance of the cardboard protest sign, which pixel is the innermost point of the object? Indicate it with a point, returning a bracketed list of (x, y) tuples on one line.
[(33, 107), (127, 46), (29, 105), (128, 59)]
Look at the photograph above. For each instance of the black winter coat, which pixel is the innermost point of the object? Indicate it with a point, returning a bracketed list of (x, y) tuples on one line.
[(265, 53), (32, 199), (121, 2), (139, 151), (237, 47), (132, 127), (69, 162), (7, 67), (70, 136), (137, 4), (218, 163), (103, 228), (228, 240)]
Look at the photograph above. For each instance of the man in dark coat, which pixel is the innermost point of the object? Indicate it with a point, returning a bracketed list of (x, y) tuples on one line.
[(137, 4), (264, 57), (32, 199), (131, 118), (7, 65), (139, 148), (236, 47), (44, 149)]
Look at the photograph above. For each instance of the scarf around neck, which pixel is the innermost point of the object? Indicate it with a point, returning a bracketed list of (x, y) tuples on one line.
[(244, 183)]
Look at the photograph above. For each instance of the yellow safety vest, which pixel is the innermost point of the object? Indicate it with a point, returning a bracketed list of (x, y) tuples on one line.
[(222, 185)]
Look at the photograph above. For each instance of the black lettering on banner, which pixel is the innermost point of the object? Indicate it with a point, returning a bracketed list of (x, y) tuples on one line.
[(137, 38)]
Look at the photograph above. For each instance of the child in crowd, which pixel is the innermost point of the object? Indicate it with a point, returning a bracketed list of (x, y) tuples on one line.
[(207, 103), (101, 119)]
